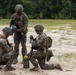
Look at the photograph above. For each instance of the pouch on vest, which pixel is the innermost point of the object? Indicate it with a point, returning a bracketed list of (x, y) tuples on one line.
[(49, 42)]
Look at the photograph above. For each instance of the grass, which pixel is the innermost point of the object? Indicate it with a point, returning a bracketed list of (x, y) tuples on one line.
[(48, 23), (54, 24), (4, 21), (67, 57)]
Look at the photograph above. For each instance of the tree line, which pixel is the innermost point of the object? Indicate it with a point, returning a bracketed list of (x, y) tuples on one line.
[(40, 9)]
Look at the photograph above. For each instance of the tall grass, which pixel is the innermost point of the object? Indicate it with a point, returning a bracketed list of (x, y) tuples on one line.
[(54, 24), (48, 23)]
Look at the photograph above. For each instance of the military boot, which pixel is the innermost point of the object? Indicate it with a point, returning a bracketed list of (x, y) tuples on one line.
[(9, 68), (15, 61), (58, 67), (36, 68), (47, 67)]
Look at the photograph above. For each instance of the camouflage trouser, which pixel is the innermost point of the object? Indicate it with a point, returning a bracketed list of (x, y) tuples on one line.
[(7, 58), (20, 38), (41, 60)]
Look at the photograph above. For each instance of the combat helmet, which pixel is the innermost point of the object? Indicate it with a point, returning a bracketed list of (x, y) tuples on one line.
[(39, 27), (7, 30), (19, 8)]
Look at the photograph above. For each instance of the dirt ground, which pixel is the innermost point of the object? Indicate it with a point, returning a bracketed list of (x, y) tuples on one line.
[(64, 41)]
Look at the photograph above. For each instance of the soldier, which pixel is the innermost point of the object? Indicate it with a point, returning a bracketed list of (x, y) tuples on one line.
[(20, 19), (6, 50), (39, 43)]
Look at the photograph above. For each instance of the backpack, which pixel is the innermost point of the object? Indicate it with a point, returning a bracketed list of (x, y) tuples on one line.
[(49, 42)]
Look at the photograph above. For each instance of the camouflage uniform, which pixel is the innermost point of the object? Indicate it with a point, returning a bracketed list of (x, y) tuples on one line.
[(41, 53), (6, 52), (20, 35)]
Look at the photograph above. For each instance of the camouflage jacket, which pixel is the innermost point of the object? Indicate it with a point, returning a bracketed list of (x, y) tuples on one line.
[(40, 42), (21, 21), (4, 47)]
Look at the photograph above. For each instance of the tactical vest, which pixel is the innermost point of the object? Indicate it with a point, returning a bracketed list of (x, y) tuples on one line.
[(18, 19)]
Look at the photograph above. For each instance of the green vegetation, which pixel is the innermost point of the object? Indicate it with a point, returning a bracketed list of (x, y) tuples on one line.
[(41, 9), (73, 26), (48, 23), (4, 21), (67, 57)]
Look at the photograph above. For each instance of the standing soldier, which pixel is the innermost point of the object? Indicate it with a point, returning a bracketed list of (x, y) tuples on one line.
[(42, 53), (20, 20), (7, 54)]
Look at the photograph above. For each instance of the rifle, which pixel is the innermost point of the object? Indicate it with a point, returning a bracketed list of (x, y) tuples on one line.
[(14, 23), (33, 47), (30, 53)]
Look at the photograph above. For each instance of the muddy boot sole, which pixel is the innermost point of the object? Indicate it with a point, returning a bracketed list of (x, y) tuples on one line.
[(35, 69), (58, 67)]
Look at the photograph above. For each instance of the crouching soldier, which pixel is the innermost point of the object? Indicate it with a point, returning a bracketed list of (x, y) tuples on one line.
[(41, 53), (7, 54)]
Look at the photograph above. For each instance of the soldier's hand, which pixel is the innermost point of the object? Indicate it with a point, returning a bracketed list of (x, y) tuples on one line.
[(31, 37)]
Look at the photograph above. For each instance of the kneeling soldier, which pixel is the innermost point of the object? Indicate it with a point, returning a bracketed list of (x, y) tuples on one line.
[(7, 54), (42, 52)]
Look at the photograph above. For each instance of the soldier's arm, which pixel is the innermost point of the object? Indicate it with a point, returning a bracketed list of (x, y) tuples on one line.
[(25, 23), (5, 46), (38, 41)]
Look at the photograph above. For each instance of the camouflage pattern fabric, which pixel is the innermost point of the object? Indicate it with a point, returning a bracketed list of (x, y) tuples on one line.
[(17, 39), (21, 21), (40, 54), (7, 54), (20, 34)]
